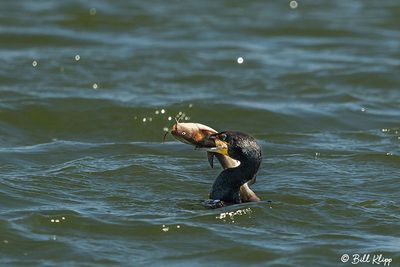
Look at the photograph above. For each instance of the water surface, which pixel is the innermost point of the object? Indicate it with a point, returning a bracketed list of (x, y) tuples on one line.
[(87, 87)]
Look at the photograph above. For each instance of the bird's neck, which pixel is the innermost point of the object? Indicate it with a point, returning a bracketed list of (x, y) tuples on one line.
[(227, 185), (243, 173), (246, 170)]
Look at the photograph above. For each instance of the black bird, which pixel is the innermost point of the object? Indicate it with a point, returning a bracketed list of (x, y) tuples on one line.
[(238, 154), (232, 182)]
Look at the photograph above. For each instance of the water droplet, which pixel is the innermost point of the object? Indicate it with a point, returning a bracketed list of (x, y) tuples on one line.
[(190, 105), (187, 118), (162, 111), (144, 119), (92, 11), (77, 57), (52, 220), (150, 119), (169, 118), (178, 226), (156, 112), (180, 113), (293, 4), (34, 63), (62, 218), (57, 221), (240, 60), (95, 86)]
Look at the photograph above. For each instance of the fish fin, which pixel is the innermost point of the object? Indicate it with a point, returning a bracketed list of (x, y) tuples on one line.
[(210, 156)]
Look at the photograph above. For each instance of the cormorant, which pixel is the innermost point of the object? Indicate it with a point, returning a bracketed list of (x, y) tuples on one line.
[(243, 148), (238, 153)]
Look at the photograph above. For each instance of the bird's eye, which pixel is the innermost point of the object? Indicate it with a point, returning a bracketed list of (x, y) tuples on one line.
[(222, 137)]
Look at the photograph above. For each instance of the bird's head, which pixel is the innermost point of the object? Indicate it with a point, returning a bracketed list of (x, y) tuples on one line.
[(236, 145)]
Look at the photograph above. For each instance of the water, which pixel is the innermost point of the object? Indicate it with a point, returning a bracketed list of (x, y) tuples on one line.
[(84, 181)]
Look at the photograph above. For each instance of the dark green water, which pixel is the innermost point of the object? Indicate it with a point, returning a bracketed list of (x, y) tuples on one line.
[(85, 182)]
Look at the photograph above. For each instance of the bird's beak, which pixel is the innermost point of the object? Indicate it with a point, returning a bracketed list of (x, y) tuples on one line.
[(221, 147)]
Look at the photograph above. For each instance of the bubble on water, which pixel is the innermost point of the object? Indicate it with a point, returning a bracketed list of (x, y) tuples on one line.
[(57, 221), (144, 119), (293, 4), (187, 118), (157, 112), (92, 11), (240, 60), (162, 111), (178, 226), (95, 86), (5, 241), (221, 216), (389, 154), (52, 220), (165, 228), (363, 109), (63, 218), (180, 113), (169, 118), (150, 119), (384, 130), (34, 63), (232, 214), (165, 129), (54, 237), (190, 105), (77, 57)]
